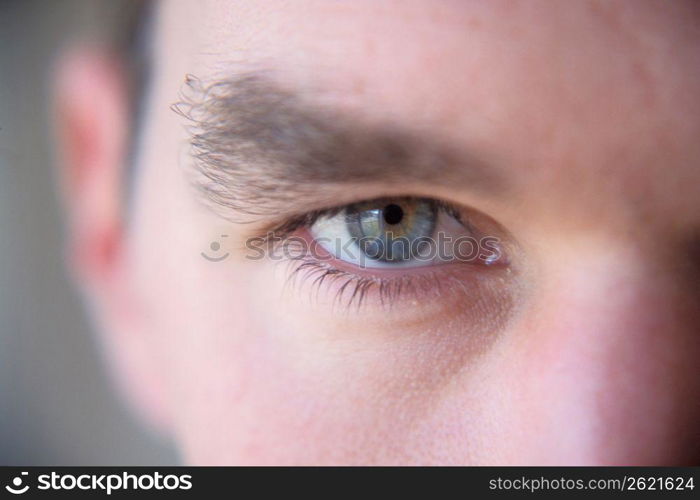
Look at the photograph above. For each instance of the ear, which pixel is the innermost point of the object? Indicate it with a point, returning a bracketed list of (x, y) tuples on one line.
[(92, 122)]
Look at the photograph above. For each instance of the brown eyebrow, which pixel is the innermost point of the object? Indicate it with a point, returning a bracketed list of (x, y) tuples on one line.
[(260, 148)]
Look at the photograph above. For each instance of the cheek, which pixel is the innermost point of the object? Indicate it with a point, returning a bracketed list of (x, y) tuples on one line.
[(259, 379), (221, 364), (605, 374)]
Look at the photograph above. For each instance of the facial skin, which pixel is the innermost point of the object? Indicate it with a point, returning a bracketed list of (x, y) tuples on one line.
[(573, 130)]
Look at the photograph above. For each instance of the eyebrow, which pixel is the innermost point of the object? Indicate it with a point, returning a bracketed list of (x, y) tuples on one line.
[(262, 149)]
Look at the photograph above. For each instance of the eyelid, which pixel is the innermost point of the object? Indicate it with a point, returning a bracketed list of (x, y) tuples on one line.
[(353, 285), (386, 289)]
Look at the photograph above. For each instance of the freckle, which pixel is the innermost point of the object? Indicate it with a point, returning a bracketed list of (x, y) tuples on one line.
[(358, 87)]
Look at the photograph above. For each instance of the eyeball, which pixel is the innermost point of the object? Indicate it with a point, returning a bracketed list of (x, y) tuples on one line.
[(392, 233)]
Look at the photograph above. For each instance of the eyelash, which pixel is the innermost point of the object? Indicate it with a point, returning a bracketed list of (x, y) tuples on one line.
[(355, 287), (390, 289)]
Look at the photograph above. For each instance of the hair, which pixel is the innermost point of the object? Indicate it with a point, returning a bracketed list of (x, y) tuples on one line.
[(134, 44)]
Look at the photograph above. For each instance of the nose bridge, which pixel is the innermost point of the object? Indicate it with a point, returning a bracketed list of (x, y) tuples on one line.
[(615, 356)]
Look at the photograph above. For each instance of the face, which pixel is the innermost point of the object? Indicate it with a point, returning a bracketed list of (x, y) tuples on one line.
[(561, 138)]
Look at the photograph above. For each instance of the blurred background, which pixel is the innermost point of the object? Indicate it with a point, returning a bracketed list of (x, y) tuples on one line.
[(57, 406)]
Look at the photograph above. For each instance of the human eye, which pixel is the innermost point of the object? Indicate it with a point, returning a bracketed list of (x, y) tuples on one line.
[(393, 249), (403, 232)]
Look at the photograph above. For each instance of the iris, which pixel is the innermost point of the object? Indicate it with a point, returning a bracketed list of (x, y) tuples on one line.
[(391, 230)]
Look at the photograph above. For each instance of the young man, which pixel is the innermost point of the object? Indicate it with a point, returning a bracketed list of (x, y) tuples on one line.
[(566, 132)]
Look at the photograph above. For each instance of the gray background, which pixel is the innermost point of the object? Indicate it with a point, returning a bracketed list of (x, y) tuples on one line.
[(56, 403)]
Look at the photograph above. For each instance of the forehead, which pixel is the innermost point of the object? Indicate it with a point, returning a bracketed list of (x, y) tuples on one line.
[(571, 95)]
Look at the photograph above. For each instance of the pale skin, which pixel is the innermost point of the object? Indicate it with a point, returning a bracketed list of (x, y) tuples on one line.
[(584, 349)]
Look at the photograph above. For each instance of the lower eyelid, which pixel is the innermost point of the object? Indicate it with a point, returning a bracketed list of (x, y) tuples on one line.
[(450, 300), (330, 280)]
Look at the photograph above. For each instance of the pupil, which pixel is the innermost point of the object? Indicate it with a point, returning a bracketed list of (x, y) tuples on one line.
[(393, 214)]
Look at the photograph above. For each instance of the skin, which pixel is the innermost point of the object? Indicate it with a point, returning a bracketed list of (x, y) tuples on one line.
[(584, 351)]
